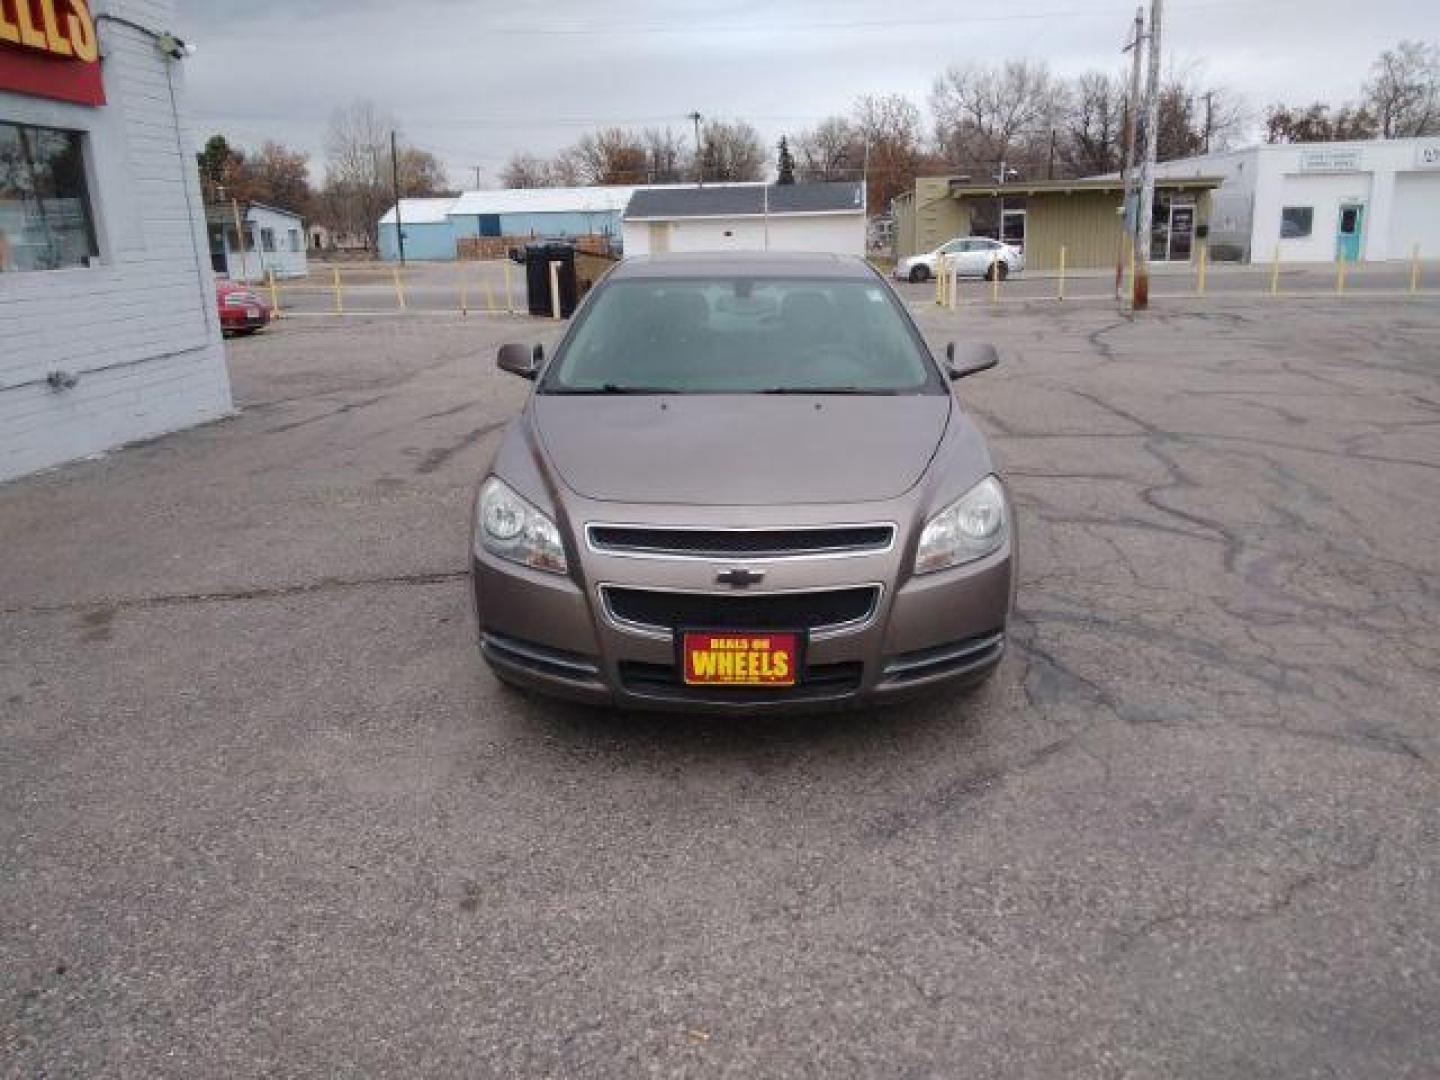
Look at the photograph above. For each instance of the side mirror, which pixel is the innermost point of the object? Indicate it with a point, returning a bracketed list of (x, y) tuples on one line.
[(970, 358), (521, 360)]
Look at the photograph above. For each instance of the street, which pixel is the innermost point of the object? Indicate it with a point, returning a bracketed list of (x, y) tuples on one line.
[(263, 811)]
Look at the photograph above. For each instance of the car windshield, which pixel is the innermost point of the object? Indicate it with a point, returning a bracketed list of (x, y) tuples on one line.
[(743, 335)]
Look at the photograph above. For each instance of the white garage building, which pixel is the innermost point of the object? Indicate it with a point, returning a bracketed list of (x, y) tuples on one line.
[(826, 218), (1318, 202)]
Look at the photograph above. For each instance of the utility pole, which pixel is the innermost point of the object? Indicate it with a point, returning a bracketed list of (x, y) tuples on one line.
[(477, 176), (1209, 96), (1050, 168), (695, 118), (1141, 298), (1132, 108), (395, 176)]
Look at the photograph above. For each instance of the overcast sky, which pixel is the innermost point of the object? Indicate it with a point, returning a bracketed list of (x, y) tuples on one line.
[(475, 80)]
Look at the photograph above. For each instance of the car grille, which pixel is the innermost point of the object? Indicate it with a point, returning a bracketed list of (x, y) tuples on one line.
[(817, 682), (667, 611), (753, 543)]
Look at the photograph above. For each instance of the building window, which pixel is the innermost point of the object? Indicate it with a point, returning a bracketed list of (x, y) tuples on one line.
[(1296, 222), (295, 240), (45, 221), (267, 239)]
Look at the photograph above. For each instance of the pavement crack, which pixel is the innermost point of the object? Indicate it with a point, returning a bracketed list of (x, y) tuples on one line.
[(263, 592)]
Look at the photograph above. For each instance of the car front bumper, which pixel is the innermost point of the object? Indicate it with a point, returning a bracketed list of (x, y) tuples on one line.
[(551, 634)]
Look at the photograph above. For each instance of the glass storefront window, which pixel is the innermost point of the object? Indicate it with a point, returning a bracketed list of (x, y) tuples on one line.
[(45, 221)]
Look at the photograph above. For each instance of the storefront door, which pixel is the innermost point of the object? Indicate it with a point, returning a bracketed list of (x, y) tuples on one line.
[(1350, 231), (1182, 233)]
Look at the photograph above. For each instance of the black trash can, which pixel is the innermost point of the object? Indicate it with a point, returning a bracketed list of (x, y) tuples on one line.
[(538, 258)]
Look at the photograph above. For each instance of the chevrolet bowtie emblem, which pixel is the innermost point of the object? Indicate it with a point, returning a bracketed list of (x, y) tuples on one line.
[(740, 577)]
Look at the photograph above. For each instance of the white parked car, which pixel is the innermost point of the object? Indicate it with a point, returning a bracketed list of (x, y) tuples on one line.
[(974, 256)]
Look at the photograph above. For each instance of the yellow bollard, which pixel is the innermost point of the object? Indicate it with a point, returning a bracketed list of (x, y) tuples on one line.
[(995, 281), (509, 296), (1275, 273), (464, 307), (399, 288), (489, 295), (339, 295), (1414, 269), (1061, 295), (1340, 276), (274, 294), (1200, 269), (941, 269), (555, 288), (952, 283)]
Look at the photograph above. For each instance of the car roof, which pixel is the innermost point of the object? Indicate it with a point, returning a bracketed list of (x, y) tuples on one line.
[(743, 263)]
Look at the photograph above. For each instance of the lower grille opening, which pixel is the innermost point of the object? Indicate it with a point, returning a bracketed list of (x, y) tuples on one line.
[(952, 658), (541, 659), (758, 611), (816, 681)]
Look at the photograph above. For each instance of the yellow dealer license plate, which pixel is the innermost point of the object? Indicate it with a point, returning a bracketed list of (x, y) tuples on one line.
[(741, 658)]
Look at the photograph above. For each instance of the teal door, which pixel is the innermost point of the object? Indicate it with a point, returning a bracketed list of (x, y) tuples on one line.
[(1347, 238)]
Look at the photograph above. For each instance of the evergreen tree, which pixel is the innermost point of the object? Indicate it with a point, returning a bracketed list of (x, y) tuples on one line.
[(785, 165)]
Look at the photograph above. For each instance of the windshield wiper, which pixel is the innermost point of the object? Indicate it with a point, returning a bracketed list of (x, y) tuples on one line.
[(616, 388), (825, 390)]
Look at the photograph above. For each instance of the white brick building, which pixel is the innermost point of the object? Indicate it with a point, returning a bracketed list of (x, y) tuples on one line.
[(108, 324)]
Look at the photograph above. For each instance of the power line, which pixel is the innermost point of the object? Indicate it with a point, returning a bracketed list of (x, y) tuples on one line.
[(620, 27)]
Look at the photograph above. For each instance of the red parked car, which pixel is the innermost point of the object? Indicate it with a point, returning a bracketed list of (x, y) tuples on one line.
[(242, 311)]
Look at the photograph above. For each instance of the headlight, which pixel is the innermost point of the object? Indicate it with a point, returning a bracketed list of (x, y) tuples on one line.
[(508, 526), (969, 528)]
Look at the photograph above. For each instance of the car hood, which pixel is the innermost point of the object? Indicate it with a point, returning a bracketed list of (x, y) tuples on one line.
[(741, 450)]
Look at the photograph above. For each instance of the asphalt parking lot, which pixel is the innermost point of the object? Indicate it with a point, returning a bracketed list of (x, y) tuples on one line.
[(263, 812)]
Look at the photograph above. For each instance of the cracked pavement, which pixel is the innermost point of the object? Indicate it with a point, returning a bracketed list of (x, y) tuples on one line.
[(263, 812)]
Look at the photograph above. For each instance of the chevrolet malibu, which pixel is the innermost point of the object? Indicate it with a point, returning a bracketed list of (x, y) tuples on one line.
[(742, 482)]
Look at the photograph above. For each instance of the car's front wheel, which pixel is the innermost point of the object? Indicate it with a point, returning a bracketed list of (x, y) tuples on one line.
[(919, 274), (998, 268)]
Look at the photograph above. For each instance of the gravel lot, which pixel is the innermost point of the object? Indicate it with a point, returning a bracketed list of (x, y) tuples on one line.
[(263, 812)]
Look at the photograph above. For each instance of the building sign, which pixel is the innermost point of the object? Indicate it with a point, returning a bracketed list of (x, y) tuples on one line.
[(1337, 160), (48, 48), (1427, 155)]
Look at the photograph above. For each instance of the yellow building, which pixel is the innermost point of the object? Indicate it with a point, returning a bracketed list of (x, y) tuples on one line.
[(1083, 216)]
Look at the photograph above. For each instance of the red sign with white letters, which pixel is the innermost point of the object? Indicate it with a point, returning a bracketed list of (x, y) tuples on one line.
[(48, 48)]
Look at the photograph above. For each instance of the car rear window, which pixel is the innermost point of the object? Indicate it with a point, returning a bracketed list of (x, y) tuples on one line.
[(743, 335)]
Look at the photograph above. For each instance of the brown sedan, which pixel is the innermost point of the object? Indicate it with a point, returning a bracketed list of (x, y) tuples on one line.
[(742, 482)]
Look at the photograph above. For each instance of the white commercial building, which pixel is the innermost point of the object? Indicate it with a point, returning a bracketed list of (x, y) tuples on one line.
[(109, 330), (826, 218), (273, 242), (1319, 202)]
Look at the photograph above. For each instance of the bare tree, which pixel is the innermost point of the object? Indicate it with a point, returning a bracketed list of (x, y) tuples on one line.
[(731, 150), (525, 171), (665, 155), (890, 135), (1404, 90), (1313, 123), (832, 150), (1095, 125), (985, 115), (421, 174), (566, 169), (612, 156), (357, 147)]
